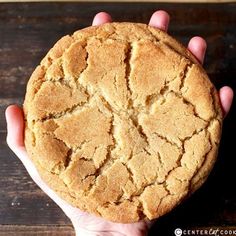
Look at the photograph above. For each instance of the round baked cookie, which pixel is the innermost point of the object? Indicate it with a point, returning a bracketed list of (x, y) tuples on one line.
[(122, 121)]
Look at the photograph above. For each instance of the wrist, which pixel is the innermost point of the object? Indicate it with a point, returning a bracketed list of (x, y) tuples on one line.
[(87, 230), (100, 227), (83, 231), (80, 231)]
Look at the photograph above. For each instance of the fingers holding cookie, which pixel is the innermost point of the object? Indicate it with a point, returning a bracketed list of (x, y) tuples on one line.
[(197, 46), (160, 19), (226, 98), (101, 18)]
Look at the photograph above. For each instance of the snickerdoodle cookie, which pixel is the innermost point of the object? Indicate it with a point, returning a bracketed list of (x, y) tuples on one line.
[(122, 121)]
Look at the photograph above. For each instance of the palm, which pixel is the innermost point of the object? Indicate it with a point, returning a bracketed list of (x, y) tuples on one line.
[(90, 223), (84, 222)]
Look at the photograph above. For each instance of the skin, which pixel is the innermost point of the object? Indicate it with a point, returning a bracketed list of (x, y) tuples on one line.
[(84, 223)]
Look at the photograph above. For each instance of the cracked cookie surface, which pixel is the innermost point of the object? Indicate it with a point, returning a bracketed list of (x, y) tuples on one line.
[(122, 121)]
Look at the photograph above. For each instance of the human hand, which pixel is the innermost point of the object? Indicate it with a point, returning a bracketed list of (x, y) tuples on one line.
[(84, 223)]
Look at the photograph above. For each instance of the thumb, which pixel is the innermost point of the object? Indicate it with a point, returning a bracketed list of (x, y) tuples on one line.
[(15, 126), (15, 139)]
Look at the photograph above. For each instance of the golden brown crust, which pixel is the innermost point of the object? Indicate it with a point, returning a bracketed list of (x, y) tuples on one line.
[(122, 121)]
